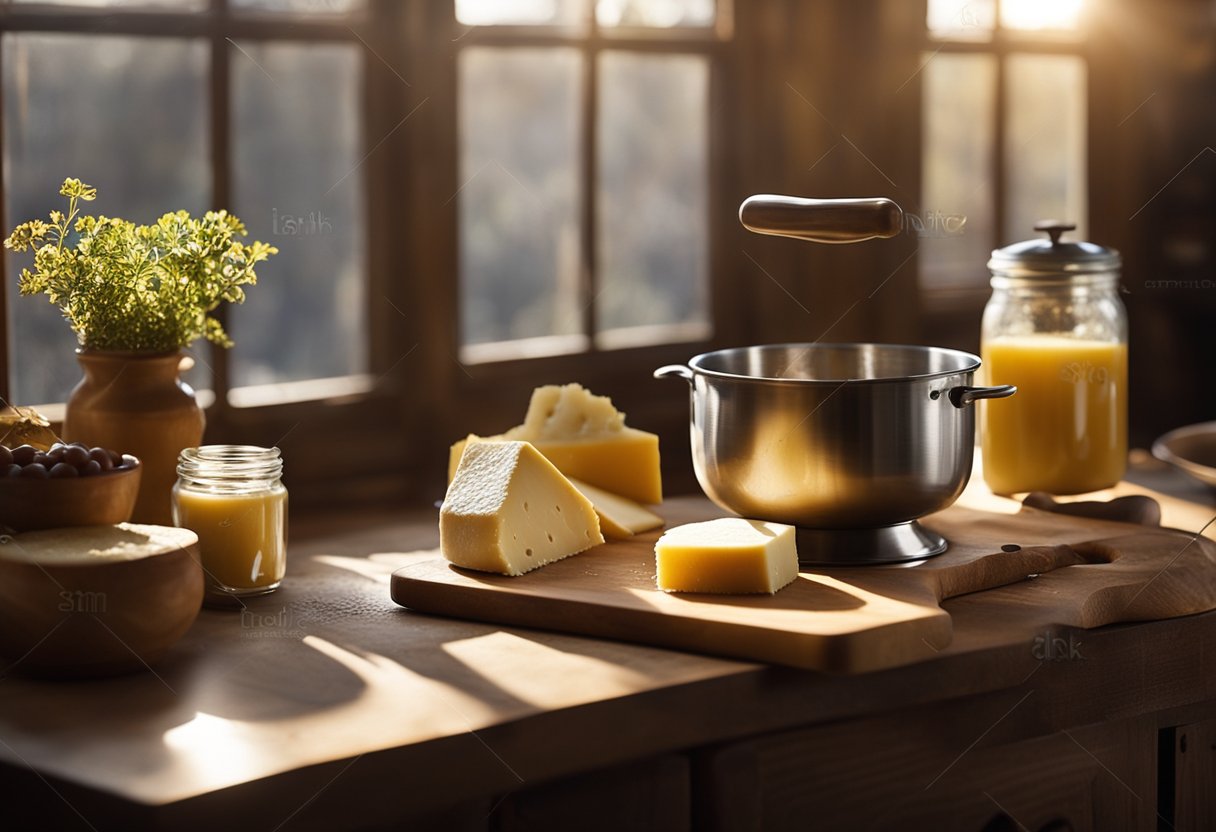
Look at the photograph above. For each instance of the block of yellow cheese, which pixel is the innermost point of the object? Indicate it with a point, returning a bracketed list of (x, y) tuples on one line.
[(727, 555), (586, 438), (619, 518), (508, 510)]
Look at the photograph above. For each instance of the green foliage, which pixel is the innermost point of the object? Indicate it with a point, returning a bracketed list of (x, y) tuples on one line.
[(147, 288)]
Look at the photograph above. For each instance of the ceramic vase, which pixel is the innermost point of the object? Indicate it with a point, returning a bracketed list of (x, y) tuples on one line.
[(136, 403)]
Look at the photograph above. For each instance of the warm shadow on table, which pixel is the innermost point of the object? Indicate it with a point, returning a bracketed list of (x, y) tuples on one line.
[(804, 593)]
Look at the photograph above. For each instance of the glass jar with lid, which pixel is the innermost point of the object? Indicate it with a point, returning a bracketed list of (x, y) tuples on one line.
[(1056, 328), (233, 498)]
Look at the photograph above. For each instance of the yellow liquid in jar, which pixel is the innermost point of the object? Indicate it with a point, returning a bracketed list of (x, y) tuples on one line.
[(242, 537), (1065, 431)]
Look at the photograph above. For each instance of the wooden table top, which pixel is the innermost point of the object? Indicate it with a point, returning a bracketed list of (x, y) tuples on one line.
[(314, 693)]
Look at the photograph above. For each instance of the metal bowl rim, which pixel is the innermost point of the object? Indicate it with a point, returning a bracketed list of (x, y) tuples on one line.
[(694, 362), (1163, 449)]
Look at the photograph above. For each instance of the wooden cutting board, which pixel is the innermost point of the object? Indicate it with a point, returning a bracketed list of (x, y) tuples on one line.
[(1087, 573)]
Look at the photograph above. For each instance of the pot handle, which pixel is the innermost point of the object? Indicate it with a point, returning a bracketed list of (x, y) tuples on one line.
[(963, 396), (674, 370)]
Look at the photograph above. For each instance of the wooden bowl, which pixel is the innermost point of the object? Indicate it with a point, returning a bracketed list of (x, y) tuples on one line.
[(96, 600), (100, 500), (1191, 449)]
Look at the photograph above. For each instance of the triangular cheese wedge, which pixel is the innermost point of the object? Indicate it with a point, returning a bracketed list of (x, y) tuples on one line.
[(619, 518), (508, 510), (585, 437)]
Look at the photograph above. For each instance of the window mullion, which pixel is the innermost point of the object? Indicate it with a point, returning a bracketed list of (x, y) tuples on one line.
[(4, 322), (999, 142), (590, 277), (1000, 123), (221, 169)]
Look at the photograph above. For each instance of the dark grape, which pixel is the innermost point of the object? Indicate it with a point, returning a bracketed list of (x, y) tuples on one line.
[(63, 470), (34, 471), (102, 457), (76, 455)]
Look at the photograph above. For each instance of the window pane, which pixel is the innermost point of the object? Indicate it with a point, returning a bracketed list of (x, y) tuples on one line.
[(519, 230), (653, 207), (126, 115), (1039, 15), (298, 185), (300, 6), (961, 19), (660, 13), (159, 5), (1045, 147), (955, 223), (571, 13)]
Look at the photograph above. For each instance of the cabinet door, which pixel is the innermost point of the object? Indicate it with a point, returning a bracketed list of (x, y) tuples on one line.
[(1194, 767), (647, 796), (961, 775)]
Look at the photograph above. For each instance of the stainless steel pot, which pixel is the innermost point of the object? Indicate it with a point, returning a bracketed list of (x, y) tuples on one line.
[(836, 437)]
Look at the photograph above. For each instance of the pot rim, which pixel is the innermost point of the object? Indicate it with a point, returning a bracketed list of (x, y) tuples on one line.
[(974, 364)]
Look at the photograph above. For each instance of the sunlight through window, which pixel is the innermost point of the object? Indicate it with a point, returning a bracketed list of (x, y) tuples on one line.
[(1037, 15)]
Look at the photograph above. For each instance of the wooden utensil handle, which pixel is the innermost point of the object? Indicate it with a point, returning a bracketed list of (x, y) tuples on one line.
[(1015, 564), (1134, 508), (1005, 567), (822, 220)]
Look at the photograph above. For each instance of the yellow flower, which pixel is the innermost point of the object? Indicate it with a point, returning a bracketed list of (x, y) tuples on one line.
[(26, 235), (76, 188), (137, 287)]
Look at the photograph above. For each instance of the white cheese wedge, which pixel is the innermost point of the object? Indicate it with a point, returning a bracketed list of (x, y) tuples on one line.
[(508, 510), (620, 518), (729, 555)]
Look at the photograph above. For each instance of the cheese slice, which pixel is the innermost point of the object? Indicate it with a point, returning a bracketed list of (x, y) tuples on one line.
[(727, 555), (619, 518), (508, 510), (586, 438)]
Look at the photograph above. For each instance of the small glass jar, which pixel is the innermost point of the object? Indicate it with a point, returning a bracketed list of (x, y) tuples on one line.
[(1056, 328), (232, 497)]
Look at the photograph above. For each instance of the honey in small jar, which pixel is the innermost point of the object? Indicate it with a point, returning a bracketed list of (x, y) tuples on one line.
[(233, 498)]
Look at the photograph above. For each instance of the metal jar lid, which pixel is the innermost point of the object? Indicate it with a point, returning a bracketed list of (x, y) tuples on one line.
[(1053, 258)]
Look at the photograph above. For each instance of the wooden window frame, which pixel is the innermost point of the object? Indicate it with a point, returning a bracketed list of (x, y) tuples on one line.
[(714, 43), (416, 394), (950, 308), (303, 422), (486, 396)]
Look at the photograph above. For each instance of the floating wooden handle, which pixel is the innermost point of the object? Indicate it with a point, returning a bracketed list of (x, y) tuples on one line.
[(822, 220)]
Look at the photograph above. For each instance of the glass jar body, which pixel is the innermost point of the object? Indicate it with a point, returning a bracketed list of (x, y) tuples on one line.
[(1063, 342), (233, 498)]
